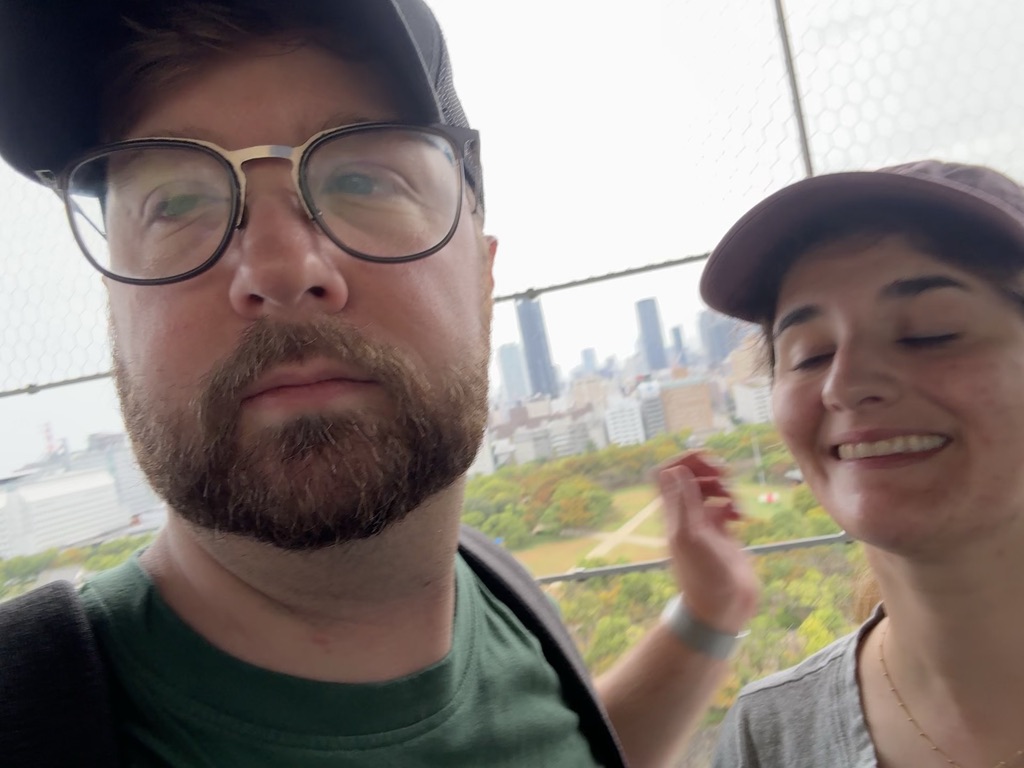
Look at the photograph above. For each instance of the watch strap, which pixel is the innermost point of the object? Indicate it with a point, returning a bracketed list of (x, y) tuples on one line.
[(697, 635)]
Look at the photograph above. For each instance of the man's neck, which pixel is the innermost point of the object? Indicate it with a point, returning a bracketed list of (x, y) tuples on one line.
[(366, 611)]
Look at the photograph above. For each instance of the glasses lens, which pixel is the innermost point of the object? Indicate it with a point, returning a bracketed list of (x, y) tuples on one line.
[(151, 212), (388, 193)]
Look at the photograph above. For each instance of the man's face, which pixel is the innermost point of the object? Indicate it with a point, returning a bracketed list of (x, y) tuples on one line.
[(293, 393)]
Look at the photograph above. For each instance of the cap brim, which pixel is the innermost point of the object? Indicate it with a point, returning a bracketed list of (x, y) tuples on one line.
[(742, 274), (50, 72)]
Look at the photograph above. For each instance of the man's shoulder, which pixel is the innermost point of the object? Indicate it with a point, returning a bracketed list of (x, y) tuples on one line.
[(54, 681)]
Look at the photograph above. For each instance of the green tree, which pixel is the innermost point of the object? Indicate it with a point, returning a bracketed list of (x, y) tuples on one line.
[(509, 527), (803, 500), (577, 503)]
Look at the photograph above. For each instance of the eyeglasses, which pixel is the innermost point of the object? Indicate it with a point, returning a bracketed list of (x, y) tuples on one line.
[(154, 211)]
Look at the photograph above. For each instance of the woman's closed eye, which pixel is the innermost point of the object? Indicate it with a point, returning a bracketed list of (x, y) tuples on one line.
[(813, 361)]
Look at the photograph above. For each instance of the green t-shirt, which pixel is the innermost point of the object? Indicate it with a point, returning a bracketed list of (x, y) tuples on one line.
[(179, 701)]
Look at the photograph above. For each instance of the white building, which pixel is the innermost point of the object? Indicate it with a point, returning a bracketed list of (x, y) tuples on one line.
[(484, 463), (752, 400), (652, 411), (624, 422), (569, 437), (532, 444), (539, 407), (58, 510)]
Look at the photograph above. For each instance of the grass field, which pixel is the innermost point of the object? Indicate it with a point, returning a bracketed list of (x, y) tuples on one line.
[(563, 555), (556, 556), (746, 495), (626, 503), (637, 553), (652, 526)]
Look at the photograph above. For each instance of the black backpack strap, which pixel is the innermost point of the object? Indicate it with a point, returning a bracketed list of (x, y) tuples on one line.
[(54, 700), (515, 587)]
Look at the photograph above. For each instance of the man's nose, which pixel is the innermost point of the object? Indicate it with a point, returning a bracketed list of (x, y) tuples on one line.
[(283, 263)]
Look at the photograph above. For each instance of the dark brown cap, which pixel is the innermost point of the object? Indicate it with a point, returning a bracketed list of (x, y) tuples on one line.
[(50, 57), (741, 278)]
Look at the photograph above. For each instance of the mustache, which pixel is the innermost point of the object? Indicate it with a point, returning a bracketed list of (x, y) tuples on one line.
[(267, 344)]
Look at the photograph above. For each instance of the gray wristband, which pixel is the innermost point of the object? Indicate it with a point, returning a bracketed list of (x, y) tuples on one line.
[(695, 634)]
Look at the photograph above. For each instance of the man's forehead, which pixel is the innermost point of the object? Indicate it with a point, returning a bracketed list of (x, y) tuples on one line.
[(53, 81), (251, 98)]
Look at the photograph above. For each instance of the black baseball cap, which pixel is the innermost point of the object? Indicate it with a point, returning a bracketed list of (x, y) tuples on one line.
[(51, 57), (742, 275)]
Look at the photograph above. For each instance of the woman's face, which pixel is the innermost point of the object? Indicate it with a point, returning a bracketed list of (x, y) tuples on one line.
[(899, 388)]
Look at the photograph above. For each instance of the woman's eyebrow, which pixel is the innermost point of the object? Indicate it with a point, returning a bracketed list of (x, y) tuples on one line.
[(915, 286), (898, 289), (799, 315)]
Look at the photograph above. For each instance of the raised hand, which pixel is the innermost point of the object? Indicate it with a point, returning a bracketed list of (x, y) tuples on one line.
[(714, 574)]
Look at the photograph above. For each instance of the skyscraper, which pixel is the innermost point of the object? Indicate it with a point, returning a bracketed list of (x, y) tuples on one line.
[(535, 346), (678, 348), (514, 383), (719, 336), (652, 340)]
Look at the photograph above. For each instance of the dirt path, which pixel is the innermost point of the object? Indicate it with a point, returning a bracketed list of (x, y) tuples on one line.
[(625, 531)]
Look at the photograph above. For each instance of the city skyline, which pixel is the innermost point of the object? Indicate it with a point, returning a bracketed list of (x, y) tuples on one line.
[(25, 417)]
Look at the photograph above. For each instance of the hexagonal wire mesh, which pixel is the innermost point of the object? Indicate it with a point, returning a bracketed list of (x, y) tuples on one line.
[(880, 81)]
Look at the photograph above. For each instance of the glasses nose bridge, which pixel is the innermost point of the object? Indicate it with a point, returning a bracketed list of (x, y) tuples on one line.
[(239, 158)]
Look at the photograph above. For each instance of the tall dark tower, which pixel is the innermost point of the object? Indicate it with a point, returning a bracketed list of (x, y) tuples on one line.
[(652, 340), (678, 347), (535, 347), (718, 335)]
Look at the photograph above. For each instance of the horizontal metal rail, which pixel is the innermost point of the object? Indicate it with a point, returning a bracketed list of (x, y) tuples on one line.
[(582, 574), (529, 293), (33, 389), (533, 293)]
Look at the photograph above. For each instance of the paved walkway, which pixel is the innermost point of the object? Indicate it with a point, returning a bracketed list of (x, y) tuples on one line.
[(625, 532)]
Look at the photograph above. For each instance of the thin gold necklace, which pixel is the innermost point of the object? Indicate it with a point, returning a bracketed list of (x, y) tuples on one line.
[(910, 718)]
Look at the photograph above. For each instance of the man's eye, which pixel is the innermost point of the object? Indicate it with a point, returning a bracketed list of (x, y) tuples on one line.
[(922, 342), (351, 184), (179, 205)]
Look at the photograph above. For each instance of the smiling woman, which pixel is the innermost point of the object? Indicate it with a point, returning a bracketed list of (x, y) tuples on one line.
[(891, 309)]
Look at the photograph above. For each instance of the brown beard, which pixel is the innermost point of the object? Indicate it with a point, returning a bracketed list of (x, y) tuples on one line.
[(319, 480)]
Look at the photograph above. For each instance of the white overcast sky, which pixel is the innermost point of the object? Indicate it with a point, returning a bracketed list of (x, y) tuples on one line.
[(614, 135)]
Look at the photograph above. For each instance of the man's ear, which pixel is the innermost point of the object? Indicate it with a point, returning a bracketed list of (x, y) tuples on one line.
[(491, 246)]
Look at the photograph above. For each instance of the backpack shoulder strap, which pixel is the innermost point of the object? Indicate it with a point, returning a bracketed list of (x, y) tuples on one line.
[(54, 699), (507, 580)]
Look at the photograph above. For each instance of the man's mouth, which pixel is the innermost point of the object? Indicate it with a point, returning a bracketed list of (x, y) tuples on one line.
[(303, 376)]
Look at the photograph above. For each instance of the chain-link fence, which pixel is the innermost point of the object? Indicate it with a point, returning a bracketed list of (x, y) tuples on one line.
[(616, 138)]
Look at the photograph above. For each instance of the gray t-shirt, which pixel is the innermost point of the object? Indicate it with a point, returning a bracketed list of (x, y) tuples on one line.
[(807, 716)]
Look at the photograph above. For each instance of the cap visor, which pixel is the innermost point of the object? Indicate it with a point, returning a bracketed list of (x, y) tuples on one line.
[(742, 272)]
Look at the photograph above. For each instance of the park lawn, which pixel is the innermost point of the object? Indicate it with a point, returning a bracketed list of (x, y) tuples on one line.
[(636, 553), (555, 556), (626, 502), (653, 526), (746, 495)]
